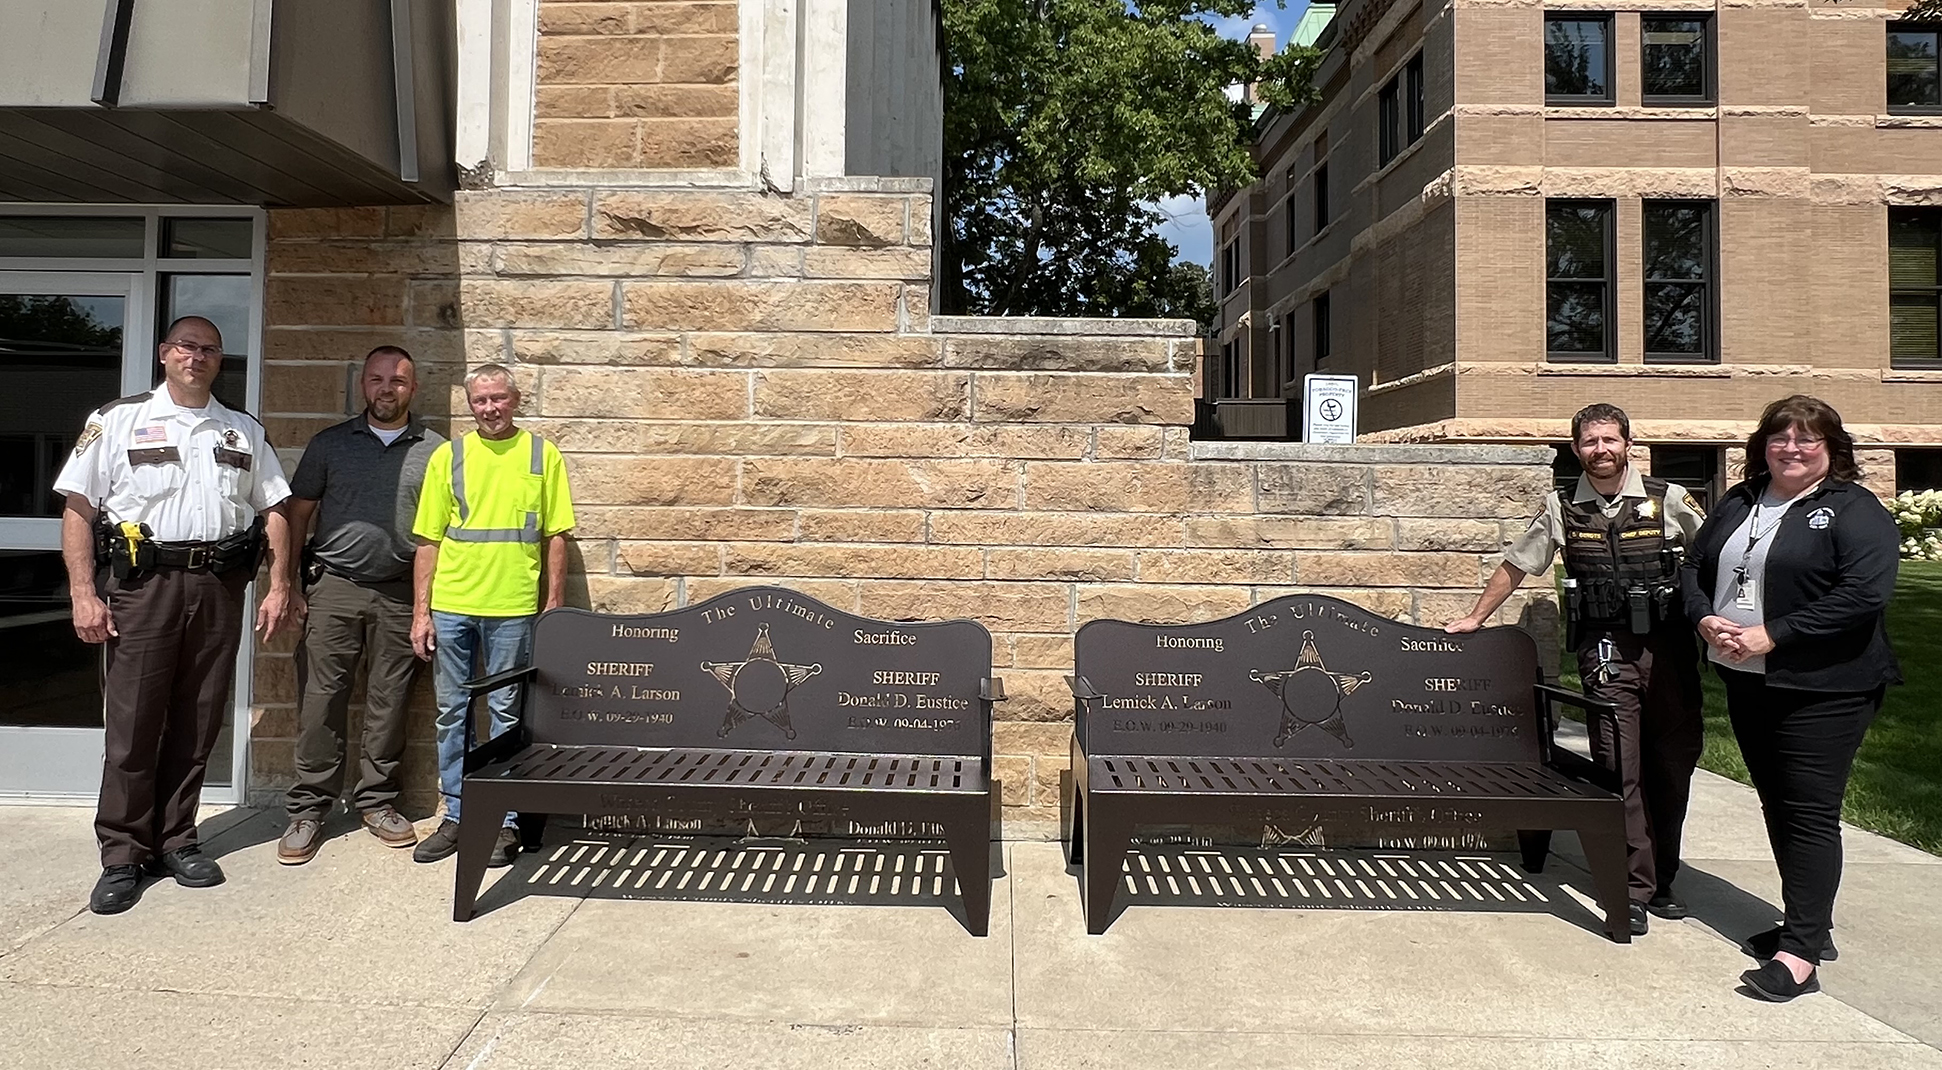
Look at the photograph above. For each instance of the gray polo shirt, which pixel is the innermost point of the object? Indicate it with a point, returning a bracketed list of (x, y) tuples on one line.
[(367, 495)]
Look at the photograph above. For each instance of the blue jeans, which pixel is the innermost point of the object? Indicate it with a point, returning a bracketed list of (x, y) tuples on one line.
[(469, 648)]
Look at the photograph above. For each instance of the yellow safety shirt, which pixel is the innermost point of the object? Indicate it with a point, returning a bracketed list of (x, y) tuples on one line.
[(489, 506)]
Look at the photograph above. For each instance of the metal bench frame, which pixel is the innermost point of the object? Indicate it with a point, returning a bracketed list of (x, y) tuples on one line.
[(522, 772)]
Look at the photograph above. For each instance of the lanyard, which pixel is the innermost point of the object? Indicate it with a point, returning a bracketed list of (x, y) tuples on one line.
[(1754, 536)]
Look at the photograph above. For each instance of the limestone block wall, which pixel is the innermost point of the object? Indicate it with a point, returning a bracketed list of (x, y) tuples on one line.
[(637, 85), (749, 389)]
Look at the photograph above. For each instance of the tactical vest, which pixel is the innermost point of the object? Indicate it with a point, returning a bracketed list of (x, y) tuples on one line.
[(1608, 556)]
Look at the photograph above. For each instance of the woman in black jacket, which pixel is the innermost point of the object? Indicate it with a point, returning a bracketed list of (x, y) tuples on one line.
[(1788, 580)]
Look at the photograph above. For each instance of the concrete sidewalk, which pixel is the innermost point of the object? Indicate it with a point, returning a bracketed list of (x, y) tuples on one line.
[(352, 961)]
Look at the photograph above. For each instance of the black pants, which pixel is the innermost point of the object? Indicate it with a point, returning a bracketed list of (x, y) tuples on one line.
[(1799, 748), (1655, 685)]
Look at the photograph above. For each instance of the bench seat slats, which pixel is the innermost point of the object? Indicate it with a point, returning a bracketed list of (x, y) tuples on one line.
[(755, 769), (1308, 776)]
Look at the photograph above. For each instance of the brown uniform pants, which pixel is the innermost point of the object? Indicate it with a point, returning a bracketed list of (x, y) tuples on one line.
[(168, 680), (1655, 684), (348, 621)]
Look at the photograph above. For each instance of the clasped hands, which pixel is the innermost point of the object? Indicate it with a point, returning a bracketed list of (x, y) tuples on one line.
[(1735, 642)]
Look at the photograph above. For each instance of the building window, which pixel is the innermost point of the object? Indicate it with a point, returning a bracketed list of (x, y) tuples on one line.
[(1323, 332), (1286, 373), (1678, 252), (1914, 291), (1578, 282), (1230, 266), (1675, 60), (1578, 59), (1693, 468), (1914, 67), (1918, 470), (1321, 198), (1413, 97), (1388, 108)]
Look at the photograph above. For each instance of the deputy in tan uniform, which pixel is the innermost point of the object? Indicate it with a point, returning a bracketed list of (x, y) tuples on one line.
[(172, 497), (1621, 535)]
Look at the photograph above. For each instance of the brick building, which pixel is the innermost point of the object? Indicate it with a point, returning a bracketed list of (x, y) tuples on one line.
[(1499, 212), (701, 234)]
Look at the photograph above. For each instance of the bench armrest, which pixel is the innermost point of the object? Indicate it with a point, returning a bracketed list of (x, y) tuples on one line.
[(1081, 688), (992, 689), (1607, 773), (499, 679)]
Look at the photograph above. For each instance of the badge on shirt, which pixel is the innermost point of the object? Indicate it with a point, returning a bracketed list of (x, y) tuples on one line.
[(1820, 518), (230, 437), (1743, 595), (88, 435), (1647, 509), (152, 434)]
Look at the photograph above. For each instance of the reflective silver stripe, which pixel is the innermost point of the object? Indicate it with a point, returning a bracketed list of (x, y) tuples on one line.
[(458, 477), (527, 534)]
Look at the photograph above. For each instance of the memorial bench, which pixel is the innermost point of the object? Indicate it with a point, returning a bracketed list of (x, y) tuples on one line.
[(1308, 712), (752, 699)]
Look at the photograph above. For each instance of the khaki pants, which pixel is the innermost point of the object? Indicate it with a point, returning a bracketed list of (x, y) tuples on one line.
[(347, 622), (167, 679)]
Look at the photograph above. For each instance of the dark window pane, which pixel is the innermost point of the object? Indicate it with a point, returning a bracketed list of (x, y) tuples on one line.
[(1324, 339), (66, 235), (1675, 241), (1575, 241), (1914, 76), (48, 677), (207, 239), (62, 357), (1575, 322), (1912, 327), (1675, 318), (1912, 242), (1672, 60), (1413, 79), (1321, 197), (1391, 132), (1574, 58)]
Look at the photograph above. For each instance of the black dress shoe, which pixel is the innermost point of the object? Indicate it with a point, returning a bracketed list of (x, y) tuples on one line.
[(1639, 921), (119, 888), (1766, 945), (189, 866), (1667, 906), (1775, 983)]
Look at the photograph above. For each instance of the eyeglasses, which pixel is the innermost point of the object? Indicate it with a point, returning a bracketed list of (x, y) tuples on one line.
[(1804, 443), (191, 349)]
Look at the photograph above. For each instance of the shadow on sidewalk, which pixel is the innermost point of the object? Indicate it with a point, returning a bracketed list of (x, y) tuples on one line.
[(725, 869), (1351, 879)]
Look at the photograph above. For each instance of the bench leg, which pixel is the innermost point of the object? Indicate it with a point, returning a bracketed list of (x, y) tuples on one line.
[(1075, 831), (478, 831), (1107, 841), (1535, 845), (532, 828), (969, 839), (1605, 857)]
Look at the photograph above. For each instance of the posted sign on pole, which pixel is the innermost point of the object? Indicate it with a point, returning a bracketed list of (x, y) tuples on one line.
[(1329, 401)]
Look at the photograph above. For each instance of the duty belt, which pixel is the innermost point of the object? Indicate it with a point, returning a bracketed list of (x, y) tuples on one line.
[(196, 556)]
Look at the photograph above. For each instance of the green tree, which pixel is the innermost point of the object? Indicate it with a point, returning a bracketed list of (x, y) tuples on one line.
[(1065, 122)]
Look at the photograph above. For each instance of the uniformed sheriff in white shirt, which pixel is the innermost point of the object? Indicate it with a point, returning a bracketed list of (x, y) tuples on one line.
[(160, 535)]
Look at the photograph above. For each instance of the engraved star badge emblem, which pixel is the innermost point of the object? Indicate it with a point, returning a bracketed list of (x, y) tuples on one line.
[(1647, 509), (759, 686), (1296, 713)]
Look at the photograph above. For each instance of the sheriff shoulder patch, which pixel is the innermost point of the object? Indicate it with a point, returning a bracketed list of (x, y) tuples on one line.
[(88, 435), (1686, 499)]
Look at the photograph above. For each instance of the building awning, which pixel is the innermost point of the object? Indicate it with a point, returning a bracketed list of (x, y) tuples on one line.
[(303, 103)]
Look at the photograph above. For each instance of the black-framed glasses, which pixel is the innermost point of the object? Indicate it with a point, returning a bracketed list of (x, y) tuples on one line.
[(191, 349), (1799, 442)]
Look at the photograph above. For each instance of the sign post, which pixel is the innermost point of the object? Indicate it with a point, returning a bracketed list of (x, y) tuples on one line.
[(1329, 401)]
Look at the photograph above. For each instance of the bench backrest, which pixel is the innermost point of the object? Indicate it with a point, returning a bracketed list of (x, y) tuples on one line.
[(1307, 676), (745, 669)]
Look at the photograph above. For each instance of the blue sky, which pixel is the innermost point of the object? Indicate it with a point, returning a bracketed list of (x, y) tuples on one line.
[(1187, 226)]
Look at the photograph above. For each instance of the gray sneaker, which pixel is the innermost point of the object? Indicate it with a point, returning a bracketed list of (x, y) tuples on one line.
[(442, 843), (300, 841), (389, 826)]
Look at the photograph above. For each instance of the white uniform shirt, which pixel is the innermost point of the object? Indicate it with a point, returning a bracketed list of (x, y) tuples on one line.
[(191, 475)]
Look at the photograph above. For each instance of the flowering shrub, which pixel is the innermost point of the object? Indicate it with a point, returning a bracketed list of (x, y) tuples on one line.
[(1919, 515)]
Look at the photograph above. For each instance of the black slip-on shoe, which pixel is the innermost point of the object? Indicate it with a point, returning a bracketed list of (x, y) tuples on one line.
[(442, 843), (505, 849), (1668, 906), (119, 888), (1640, 923), (1766, 945), (189, 866), (1775, 983)]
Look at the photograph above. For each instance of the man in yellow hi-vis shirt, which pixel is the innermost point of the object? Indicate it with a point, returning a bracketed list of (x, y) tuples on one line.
[(494, 507)]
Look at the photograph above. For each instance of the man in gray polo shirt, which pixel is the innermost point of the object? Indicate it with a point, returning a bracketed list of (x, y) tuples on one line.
[(360, 479)]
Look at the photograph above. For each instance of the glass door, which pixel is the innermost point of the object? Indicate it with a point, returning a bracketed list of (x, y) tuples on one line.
[(69, 342)]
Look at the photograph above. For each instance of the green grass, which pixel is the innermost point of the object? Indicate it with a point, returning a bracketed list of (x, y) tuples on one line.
[(1896, 789)]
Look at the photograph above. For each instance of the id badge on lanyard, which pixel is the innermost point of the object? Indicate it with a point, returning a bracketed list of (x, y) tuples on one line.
[(1743, 591)]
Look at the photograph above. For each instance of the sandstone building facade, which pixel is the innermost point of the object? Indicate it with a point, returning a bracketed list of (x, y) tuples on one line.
[(1502, 210), (702, 235)]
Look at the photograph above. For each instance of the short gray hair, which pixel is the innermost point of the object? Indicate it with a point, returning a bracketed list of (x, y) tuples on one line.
[(490, 371)]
